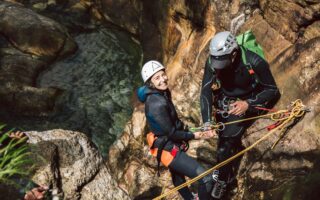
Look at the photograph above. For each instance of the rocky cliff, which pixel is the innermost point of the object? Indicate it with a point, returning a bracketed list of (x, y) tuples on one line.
[(44, 35), (289, 34), (72, 165), (63, 67)]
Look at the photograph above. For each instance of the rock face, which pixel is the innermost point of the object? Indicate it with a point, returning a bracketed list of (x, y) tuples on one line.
[(291, 44), (73, 166), (290, 18), (122, 13), (176, 33), (97, 82), (43, 81), (28, 43), (277, 173)]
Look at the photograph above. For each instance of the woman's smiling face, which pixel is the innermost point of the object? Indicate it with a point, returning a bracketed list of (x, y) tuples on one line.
[(160, 80)]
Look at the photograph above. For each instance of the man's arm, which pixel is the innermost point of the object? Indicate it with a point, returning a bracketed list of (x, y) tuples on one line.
[(269, 94), (209, 77)]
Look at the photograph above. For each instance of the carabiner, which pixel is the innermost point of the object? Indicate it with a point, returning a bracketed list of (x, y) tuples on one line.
[(223, 113), (225, 102), (220, 126)]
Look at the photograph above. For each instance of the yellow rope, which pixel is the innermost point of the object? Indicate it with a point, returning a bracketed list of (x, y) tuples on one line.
[(272, 117), (297, 111), (162, 190)]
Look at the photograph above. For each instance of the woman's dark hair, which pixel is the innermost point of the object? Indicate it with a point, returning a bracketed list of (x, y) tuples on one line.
[(149, 83)]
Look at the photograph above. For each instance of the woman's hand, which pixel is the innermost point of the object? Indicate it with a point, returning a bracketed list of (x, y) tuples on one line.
[(204, 135)]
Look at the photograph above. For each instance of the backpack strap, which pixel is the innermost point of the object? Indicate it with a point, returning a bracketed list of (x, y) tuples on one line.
[(248, 66)]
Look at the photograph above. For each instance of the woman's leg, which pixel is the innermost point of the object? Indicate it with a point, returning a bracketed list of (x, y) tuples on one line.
[(187, 166)]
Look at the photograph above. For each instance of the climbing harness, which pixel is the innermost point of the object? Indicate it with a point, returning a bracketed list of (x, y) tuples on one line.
[(225, 104), (162, 155), (166, 156), (288, 118)]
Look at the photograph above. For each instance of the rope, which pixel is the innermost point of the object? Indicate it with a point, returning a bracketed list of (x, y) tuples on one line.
[(272, 117), (297, 111)]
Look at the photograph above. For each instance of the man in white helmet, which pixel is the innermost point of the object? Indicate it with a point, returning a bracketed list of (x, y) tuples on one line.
[(235, 91)]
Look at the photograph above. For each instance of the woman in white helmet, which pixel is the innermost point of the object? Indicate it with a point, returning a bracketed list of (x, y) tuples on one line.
[(168, 136)]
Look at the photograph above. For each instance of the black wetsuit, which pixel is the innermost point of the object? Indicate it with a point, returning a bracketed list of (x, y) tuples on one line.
[(164, 123), (236, 83)]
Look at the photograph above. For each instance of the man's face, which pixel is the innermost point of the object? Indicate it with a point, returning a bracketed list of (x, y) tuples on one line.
[(223, 62), (160, 80)]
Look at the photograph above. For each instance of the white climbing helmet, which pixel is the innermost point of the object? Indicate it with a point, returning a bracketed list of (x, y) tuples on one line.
[(150, 68), (222, 44), (221, 47)]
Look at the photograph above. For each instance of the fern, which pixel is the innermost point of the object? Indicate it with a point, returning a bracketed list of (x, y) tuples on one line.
[(14, 157)]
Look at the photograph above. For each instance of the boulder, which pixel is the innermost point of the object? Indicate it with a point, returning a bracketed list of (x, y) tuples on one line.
[(29, 43), (73, 165)]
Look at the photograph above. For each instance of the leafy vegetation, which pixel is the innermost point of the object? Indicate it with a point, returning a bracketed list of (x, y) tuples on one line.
[(14, 157)]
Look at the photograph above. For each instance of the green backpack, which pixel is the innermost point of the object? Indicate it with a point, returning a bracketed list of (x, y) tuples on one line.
[(247, 41)]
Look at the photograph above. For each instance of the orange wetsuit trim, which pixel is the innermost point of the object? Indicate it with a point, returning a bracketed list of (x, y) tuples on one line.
[(166, 156)]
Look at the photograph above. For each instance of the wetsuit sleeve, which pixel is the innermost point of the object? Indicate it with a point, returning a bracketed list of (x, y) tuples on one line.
[(160, 114), (206, 98), (269, 91)]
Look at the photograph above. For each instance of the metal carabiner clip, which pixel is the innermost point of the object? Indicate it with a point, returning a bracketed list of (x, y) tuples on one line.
[(223, 113), (225, 102), (220, 126)]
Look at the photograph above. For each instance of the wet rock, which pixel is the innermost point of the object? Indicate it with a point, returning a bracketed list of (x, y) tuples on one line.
[(123, 13), (63, 100), (29, 42), (34, 34), (98, 83), (76, 15)]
